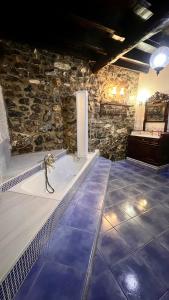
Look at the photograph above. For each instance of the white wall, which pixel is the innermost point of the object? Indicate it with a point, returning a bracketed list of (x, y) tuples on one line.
[(155, 83), (151, 83)]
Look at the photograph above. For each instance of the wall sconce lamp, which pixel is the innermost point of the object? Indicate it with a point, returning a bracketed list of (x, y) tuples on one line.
[(122, 91), (115, 91), (159, 59), (143, 96)]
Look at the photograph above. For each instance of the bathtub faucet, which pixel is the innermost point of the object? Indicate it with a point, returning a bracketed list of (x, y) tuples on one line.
[(49, 160)]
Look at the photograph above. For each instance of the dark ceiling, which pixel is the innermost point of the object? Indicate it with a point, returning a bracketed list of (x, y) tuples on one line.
[(85, 29)]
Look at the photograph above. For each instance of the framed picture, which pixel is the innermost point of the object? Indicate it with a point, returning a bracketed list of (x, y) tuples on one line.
[(155, 112)]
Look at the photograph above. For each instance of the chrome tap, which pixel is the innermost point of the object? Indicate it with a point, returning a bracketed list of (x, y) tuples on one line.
[(49, 160)]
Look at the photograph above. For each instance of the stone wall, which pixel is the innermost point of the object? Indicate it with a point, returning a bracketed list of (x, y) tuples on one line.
[(38, 87)]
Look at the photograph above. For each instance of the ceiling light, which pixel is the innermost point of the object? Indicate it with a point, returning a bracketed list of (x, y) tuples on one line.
[(143, 12), (159, 59), (118, 38)]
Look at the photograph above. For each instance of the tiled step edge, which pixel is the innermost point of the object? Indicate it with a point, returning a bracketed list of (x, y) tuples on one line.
[(93, 250)]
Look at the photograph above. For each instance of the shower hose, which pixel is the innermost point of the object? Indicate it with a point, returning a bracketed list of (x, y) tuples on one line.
[(49, 188)]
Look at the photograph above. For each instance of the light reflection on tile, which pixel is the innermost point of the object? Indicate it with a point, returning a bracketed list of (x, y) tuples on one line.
[(105, 225), (136, 280), (115, 215)]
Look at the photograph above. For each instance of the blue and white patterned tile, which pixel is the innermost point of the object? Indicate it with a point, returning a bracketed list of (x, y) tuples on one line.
[(13, 181), (30, 279), (165, 296)]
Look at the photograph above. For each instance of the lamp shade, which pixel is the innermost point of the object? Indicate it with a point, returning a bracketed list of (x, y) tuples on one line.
[(159, 59)]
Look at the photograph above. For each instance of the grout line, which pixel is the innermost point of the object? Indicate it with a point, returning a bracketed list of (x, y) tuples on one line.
[(133, 217)]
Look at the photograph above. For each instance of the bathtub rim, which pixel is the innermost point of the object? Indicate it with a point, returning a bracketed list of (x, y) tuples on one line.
[(69, 185), (9, 183)]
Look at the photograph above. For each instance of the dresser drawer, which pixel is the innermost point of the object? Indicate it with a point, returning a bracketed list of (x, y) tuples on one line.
[(144, 149)]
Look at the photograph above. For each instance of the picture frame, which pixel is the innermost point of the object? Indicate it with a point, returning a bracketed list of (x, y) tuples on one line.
[(156, 112)]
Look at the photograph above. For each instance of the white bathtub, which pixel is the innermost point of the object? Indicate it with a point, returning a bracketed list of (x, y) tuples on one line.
[(66, 172)]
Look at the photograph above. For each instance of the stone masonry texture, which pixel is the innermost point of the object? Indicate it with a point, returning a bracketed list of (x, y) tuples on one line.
[(38, 88)]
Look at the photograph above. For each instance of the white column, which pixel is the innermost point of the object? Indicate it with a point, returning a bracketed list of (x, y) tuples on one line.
[(4, 137), (82, 123), (139, 116)]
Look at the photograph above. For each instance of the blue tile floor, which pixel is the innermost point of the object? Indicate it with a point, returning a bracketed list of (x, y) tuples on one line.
[(131, 258)]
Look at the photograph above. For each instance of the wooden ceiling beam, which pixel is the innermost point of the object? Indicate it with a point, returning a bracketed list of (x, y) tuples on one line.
[(138, 55), (85, 23), (151, 27), (132, 65), (84, 44), (151, 41)]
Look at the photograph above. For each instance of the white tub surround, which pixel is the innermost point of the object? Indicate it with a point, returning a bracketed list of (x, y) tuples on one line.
[(23, 162), (82, 123), (28, 213), (21, 217), (5, 157)]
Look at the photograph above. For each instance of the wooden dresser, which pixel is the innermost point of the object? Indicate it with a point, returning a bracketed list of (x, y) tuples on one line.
[(154, 151), (151, 143)]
